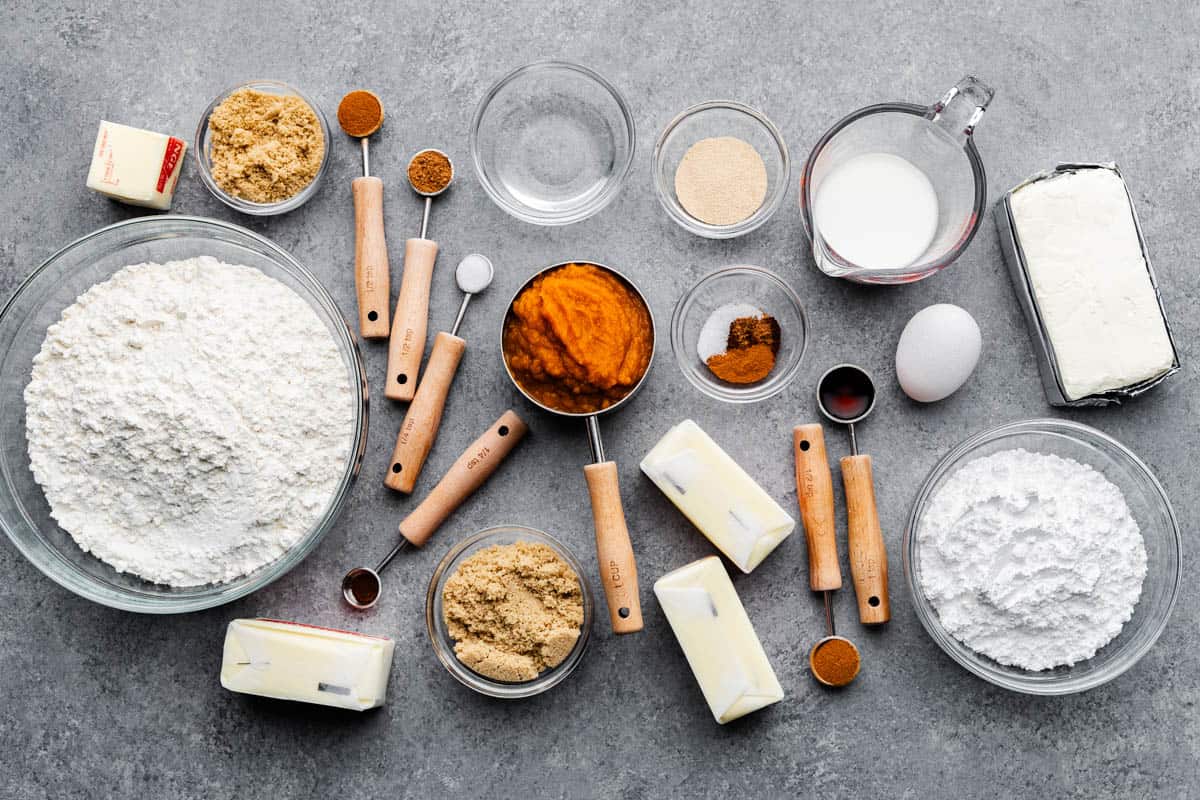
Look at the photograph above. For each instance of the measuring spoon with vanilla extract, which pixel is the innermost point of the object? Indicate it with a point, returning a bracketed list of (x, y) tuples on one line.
[(846, 395)]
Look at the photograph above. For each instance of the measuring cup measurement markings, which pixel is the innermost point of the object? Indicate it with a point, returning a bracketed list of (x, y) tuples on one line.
[(846, 395), (618, 568), (904, 144)]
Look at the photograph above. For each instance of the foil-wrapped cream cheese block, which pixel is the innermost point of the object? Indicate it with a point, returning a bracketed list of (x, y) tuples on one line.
[(717, 495), (718, 640), (293, 661), (136, 166), (1079, 263)]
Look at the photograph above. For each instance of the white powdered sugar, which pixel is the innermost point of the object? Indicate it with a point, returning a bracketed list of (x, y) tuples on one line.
[(1031, 559), (189, 421)]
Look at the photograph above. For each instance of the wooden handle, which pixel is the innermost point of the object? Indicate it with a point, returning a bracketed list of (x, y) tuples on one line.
[(409, 323), (372, 279), (466, 475), (814, 489), (618, 570), (868, 556), (424, 416)]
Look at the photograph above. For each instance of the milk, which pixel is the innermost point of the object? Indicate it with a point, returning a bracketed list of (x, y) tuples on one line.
[(877, 210)]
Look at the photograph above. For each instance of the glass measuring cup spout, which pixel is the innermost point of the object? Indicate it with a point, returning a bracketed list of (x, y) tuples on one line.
[(894, 192)]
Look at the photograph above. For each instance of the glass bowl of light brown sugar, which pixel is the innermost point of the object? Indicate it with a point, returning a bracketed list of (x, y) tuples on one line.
[(262, 147), (509, 612), (721, 169), (739, 334)]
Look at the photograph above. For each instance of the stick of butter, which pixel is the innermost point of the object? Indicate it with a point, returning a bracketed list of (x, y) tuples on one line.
[(136, 166), (717, 495), (718, 640), (293, 661)]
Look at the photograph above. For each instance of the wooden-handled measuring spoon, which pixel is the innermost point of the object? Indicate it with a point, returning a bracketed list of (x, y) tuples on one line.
[(361, 586), (846, 395), (361, 114), (814, 490), (429, 173), (424, 417)]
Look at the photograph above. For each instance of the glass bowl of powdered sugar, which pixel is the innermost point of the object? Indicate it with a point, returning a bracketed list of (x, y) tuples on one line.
[(185, 414), (1043, 556)]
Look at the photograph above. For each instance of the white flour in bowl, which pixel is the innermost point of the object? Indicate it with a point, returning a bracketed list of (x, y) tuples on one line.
[(188, 421), (1031, 559)]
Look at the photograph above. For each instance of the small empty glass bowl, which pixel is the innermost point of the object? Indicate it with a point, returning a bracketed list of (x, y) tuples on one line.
[(1151, 510), (203, 154), (443, 644), (552, 142), (721, 118), (753, 286)]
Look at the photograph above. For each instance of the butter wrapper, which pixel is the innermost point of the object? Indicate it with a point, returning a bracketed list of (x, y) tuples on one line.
[(306, 663), (1015, 258)]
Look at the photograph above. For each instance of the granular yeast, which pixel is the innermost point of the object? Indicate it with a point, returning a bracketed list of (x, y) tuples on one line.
[(513, 610)]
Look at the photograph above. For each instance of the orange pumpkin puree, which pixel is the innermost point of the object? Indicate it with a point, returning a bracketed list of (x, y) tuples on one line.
[(578, 339)]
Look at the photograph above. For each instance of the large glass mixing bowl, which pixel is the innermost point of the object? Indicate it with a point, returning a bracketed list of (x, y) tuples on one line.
[(39, 302), (1147, 501)]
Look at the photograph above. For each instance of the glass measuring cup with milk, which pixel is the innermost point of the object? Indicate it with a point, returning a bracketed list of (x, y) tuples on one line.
[(894, 192)]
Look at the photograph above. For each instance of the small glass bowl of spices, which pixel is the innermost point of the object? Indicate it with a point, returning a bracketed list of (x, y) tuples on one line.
[(262, 147), (509, 612), (721, 169), (739, 334)]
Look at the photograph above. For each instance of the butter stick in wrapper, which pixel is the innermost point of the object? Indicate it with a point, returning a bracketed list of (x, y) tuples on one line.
[(306, 663), (718, 640)]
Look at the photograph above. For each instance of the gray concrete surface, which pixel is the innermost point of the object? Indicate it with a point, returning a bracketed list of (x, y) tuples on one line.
[(98, 703)]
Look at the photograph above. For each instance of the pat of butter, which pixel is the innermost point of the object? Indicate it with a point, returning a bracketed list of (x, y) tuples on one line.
[(718, 640), (717, 495), (293, 661), (136, 166)]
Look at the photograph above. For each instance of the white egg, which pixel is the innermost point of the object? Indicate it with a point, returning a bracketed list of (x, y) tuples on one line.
[(937, 352)]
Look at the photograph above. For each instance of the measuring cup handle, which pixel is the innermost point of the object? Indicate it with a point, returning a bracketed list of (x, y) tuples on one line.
[(618, 570), (961, 107)]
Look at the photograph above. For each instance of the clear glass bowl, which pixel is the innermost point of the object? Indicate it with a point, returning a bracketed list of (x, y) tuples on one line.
[(721, 118), (740, 284), (552, 142), (39, 302), (1151, 510), (443, 644), (204, 156)]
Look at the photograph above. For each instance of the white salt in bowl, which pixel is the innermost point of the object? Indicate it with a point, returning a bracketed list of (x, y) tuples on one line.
[(39, 302), (1151, 510)]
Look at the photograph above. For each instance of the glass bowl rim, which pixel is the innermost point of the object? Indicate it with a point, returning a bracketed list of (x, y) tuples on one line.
[(214, 594), (1078, 433), (248, 206), (770, 205), (464, 674), (616, 180), (768, 388)]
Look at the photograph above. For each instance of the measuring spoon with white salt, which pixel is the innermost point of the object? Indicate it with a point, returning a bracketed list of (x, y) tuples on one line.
[(420, 427)]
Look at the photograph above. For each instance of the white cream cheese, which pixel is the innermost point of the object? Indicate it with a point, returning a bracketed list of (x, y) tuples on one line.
[(1090, 281)]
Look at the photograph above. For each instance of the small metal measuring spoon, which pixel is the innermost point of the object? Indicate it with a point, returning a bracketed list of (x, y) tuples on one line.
[(814, 490), (846, 395), (424, 416), (410, 323)]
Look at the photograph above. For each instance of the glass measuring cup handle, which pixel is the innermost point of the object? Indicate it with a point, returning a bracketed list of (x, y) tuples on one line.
[(961, 108)]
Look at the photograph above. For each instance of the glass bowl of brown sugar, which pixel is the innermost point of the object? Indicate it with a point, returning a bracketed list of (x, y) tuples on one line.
[(739, 334), (263, 117)]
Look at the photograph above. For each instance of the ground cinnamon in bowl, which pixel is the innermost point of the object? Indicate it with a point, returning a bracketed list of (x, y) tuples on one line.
[(751, 347)]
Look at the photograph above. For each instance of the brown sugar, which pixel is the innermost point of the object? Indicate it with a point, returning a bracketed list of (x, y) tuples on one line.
[(513, 610), (264, 147), (430, 172)]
